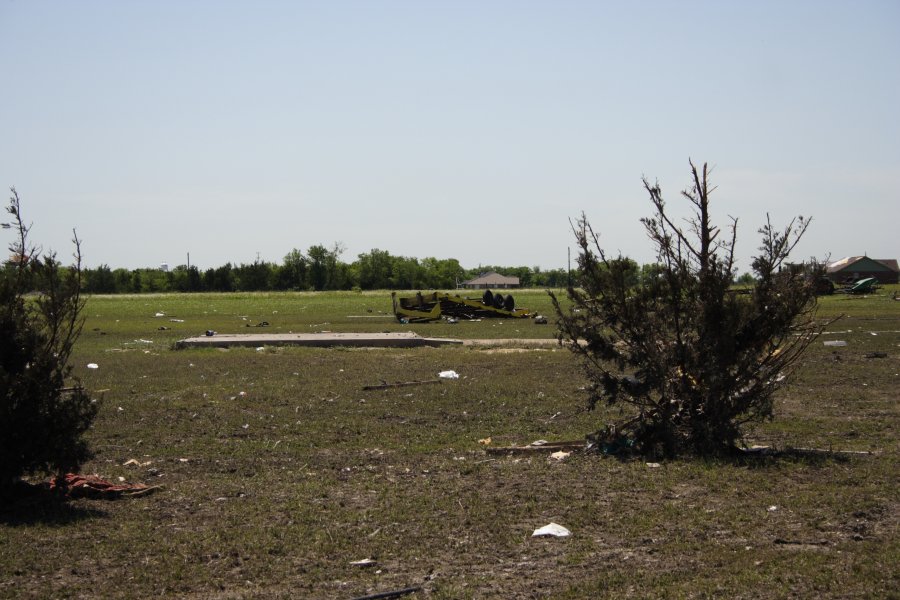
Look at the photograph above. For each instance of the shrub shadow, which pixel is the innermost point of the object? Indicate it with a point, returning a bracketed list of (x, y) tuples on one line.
[(749, 459), (24, 504), (807, 457)]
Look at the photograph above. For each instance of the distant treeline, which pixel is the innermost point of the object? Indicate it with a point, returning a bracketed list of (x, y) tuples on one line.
[(319, 268)]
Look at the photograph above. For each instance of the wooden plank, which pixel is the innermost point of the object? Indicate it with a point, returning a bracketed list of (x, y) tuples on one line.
[(548, 448)]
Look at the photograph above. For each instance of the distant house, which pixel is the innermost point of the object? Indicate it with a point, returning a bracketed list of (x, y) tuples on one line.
[(854, 268), (491, 280)]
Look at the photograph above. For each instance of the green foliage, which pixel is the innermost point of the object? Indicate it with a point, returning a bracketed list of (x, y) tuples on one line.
[(695, 359), (746, 279), (292, 273), (41, 419), (319, 269), (100, 281)]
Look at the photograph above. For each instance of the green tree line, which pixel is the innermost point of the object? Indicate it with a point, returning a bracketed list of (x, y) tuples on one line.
[(318, 268)]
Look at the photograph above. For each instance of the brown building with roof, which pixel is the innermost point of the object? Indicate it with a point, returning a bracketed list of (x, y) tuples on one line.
[(491, 280), (854, 268)]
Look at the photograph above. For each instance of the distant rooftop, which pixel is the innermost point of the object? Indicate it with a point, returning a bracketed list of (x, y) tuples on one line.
[(845, 262), (492, 279)]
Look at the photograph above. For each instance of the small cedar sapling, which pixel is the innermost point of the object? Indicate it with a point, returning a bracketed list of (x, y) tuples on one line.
[(695, 359), (44, 411)]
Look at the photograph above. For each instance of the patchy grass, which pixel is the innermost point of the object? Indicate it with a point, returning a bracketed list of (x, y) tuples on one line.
[(279, 471), (121, 322)]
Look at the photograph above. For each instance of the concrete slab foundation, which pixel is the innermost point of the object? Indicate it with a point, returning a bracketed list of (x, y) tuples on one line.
[(406, 339)]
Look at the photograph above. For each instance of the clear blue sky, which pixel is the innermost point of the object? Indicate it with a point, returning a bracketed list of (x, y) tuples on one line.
[(472, 130)]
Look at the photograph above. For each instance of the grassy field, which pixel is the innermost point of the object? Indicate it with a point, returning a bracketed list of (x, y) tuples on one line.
[(279, 471)]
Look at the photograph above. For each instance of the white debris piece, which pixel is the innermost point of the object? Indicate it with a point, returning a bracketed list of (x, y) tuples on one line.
[(552, 530), (93, 366), (366, 562), (448, 375)]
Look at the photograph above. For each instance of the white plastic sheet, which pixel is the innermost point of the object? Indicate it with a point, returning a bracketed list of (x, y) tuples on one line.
[(551, 529)]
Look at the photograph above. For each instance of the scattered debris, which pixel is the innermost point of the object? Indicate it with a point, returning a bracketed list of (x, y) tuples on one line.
[(384, 386), (485, 441), (448, 375), (160, 314), (611, 441), (133, 462), (539, 446), (176, 320), (540, 320), (825, 451), (553, 530), (652, 465), (210, 333), (835, 343), (93, 366), (770, 451), (92, 486), (433, 306), (799, 543), (863, 286), (366, 562), (772, 508), (560, 455)]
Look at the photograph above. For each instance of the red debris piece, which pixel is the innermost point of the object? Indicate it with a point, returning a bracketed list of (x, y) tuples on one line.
[(92, 486)]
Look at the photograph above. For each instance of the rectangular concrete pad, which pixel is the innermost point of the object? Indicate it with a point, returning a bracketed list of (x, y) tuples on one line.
[(406, 339)]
